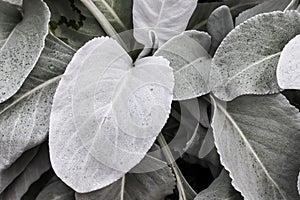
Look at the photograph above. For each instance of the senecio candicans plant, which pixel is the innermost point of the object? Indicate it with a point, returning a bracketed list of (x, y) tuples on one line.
[(149, 100)]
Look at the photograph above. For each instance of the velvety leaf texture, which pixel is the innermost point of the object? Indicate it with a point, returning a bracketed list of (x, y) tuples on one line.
[(21, 43), (162, 19), (220, 189), (257, 138), (219, 24), (267, 6), (246, 61), (191, 62), (288, 70), (109, 112)]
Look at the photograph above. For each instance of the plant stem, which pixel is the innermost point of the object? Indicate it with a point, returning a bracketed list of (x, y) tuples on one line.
[(105, 24), (292, 5), (170, 159), (122, 188)]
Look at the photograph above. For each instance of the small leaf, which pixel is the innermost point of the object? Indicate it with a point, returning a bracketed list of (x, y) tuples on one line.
[(188, 57), (246, 60), (154, 185), (288, 69), (72, 22), (257, 138), (108, 112), (33, 171), (56, 190), (9, 174), (220, 189), (22, 43), (219, 24), (267, 6), (164, 18), (24, 119)]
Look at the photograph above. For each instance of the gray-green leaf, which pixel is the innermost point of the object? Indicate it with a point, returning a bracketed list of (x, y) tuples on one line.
[(107, 114), (257, 138), (220, 189), (24, 119), (246, 60), (188, 56), (288, 69), (154, 185), (21, 43), (267, 6), (56, 190), (164, 18), (15, 2), (33, 171), (219, 24)]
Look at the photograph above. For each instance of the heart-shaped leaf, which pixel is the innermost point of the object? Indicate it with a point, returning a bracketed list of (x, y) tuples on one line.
[(24, 119), (220, 189), (153, 185), (219, 24), (21, 43), (163, 18), (257, 138), (191, 62), (9, 174), (33, 171), (288, 69), (246, 60), (109, 112), (56, 190), (267, 6)]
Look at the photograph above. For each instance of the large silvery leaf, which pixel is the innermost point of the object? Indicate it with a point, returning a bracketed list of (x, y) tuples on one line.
[(162, 19), (56, 190), (9, 174), (72, 22), (288, 70), (24, 119), (33, 171), (117, 12), (257, 138), (154, 185), (21, 43), (220, 189), (188, 56), (246, 60), (267, 6), (219, 24), (107, 114)]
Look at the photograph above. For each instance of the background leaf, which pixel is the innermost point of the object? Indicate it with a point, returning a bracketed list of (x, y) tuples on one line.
[(108, 112), (220, 189), (219, 24), (246, 60), (24, 119), (191, 62), (22, 44), (162, 18), (33, 171), (72, 22), (288, 70), (257, 138), (267, 6), (14, 2)]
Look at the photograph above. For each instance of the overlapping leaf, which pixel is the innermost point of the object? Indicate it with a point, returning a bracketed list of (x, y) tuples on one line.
[(246, 61), (160, 20), (24, 119), (220, 189), (21, 43), (188, 56), (109, 112), (257, 138), (267, 6), (288, 70)]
